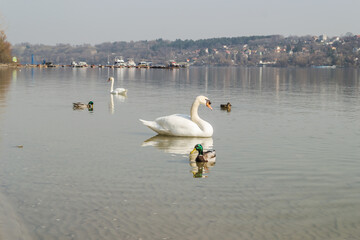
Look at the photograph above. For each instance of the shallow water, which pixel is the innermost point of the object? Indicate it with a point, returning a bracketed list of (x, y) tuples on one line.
[(287, 167)]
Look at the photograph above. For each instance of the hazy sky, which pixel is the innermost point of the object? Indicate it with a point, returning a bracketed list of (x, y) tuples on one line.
[(89, 21)]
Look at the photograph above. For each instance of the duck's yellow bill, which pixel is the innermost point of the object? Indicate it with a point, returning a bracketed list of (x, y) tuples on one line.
[(194, 150)]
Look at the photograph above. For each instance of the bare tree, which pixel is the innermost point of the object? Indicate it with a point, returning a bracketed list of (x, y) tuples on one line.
[(5, 48)]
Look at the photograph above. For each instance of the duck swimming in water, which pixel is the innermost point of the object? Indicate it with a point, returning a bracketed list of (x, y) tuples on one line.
[(208, 156), (80, 105), (226, 106)]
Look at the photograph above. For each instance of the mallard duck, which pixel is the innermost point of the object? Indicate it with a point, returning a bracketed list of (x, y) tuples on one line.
[(122, 91), (208, 156), (182, 125), (226, 106), (80, 105)]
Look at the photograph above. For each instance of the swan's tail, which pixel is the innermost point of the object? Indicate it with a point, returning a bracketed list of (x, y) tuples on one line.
[(147, 123), (155, 127)]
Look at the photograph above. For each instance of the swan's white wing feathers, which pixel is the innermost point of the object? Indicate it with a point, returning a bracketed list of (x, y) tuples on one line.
[(120, 90), (175, 125), (178, 125)]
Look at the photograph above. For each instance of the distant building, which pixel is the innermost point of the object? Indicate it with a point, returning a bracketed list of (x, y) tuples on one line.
[(323, 38)]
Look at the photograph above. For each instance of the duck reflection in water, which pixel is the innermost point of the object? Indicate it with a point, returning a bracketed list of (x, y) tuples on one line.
[(201, 169)]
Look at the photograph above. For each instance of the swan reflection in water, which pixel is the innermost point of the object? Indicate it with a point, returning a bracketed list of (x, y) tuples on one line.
[(177, 145), (183, 146), (119, 98)]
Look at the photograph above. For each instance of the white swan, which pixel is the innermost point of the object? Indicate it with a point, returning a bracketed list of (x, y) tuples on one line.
[(122, 91), (183, 125)]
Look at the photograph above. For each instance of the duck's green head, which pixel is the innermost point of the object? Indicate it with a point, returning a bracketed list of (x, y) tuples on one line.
[(199, 148), (91, 103)]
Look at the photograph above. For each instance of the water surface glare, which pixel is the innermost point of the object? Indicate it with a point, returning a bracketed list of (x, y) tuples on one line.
[(287, 166)]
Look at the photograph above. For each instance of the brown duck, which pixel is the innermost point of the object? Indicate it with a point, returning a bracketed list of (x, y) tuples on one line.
[(80, 105), (226, 106)]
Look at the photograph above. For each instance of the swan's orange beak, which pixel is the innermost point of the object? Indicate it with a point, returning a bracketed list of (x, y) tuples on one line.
[(208, 104)]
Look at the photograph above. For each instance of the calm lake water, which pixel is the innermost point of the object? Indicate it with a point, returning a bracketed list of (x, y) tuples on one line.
[(287, 167)]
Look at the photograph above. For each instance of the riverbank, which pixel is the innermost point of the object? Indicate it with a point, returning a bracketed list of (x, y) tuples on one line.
[(10, 225)]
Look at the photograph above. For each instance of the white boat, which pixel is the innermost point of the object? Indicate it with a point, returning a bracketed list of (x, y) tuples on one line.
[(79, 64), (119, 62), (82, 64), (130, 63), (143, 64)]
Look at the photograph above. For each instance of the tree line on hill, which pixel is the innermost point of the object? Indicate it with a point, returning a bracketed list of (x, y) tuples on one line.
[(272, 50), (156, 51)]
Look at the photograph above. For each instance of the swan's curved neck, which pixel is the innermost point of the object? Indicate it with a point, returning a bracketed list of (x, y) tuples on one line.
[(194, 116)]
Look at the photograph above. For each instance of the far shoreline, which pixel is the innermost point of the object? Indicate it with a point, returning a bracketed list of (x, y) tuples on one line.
[(9, 65)]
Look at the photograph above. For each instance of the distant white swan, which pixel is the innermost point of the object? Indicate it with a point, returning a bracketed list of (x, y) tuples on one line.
[(122, 91), (183, 125)]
